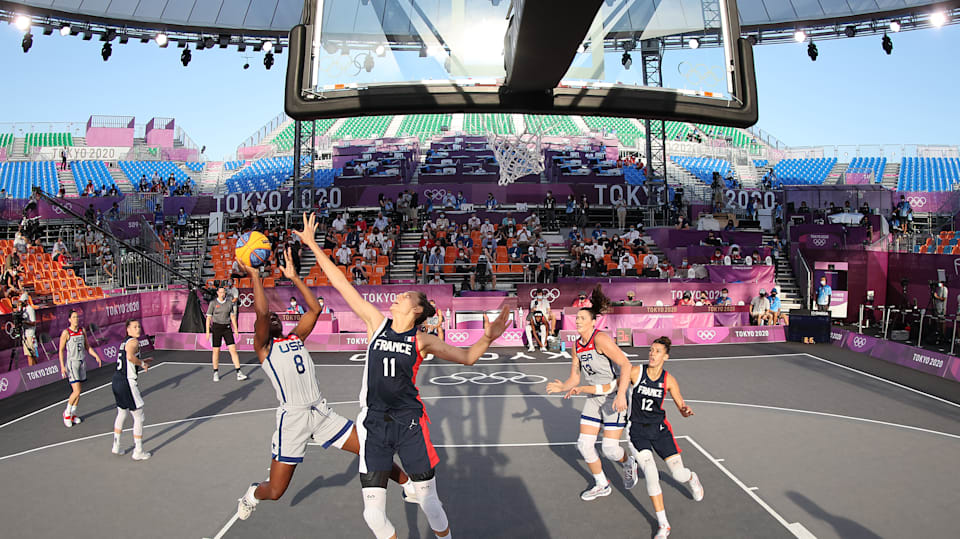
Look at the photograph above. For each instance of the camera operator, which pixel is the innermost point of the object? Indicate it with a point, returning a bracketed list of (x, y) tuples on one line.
[(26, 322), (482, 272)]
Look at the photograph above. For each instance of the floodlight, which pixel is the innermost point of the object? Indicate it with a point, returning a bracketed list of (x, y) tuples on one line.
[(268, 61), (224, 40), (380, 50), (241, 47), (22, 22), (267, 45), (185, 56), (161, 39), (65, 30), (887, 44), (626, 60), (938, 18), (27, 42), (47, 30), (850, 31), (812, 51), (106, 51), (694, 43), (894, 26), (799, 36)]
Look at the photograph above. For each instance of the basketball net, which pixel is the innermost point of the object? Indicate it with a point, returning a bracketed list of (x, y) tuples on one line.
[(518, 155)]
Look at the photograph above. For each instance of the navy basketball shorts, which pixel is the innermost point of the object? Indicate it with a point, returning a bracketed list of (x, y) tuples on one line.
[(657, 437), (400, 432)]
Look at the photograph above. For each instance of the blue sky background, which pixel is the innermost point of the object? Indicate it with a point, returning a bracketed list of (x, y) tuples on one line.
[(853, 94)]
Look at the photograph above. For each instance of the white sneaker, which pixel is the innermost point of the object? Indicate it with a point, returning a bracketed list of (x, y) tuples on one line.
[(116, 449), (140, 455), (67, 421), (543, 349), (77, 420), (662, 533), (695, 487), (244, 508), (596, 492), (630, 477), (216, 376), (240, 376), (409, 496), (531, 348)]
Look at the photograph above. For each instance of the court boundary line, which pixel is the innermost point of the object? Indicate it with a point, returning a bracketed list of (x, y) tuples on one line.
[(882, 379), (45, 408)]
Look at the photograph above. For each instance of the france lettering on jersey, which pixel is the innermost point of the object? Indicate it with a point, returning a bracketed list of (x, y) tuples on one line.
[(124, 366), (290, 369), (390, 374), (75, 345), (595, 367), (646, 402)]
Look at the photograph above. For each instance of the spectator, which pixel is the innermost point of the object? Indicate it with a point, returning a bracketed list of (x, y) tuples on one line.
[(106, 262), (729, 227), (343, 255), (482, 273), (621, 208), (508, 221), (29, 337), (353, 238), (530, 263), (717, 257), (436, 279), (582, 211), (59, 249), (735, 257), (550, 207), (759, 306), (724, 299), (462, 263), (10, 281), (711, 239), (824, 293), (514, 253), (774, 316), (435, 260), (449, 201), (687, 299), (324, 309), (460, 201), (294, 308), (540, 322), (20, 242), (473, 223), (339, 224), (489, 243), (631, 300), (582, 301), (627, 263), (359, 273), (491, 202), (486, 228), (370, 254), (62, 193), (532, 221), (361, 225), (523, 238), (803, 207), (465, 242), (570, 210)]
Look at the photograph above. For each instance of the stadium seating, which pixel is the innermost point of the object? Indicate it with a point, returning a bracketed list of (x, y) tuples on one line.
[(634, 176), (557, 125), (47, 276), (270, 173), (501, 124), (676, 130), (91, 171), (929, 173), (364, 127), (811, 171), (135, 170), (733, 135), (703, 167), (626, 131), (876, 164), (46, 139), (423, 125), (233, 165), (6, 139), (195, 166), (284, 139), (20, 177), (760, 163)]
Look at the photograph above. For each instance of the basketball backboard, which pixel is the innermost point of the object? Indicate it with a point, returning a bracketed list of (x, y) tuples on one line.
[(662, 59)]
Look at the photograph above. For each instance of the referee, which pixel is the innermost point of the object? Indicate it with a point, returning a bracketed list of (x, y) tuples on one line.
[(221, 316)]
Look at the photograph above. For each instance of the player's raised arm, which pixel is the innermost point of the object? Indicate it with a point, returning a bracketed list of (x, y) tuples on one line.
[(261, 328), (431, 344), (308, 320), (674, 389), (367, 312)]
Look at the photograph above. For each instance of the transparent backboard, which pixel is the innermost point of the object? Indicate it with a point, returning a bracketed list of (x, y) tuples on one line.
[(684, 57)]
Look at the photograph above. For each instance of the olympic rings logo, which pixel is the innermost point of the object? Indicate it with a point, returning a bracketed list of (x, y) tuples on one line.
[(57, 210), (4, 384), (511, 337), (494, 378), (436, 194), (917, 201), (706, 334), (819, 242), (458, 336), (859, 342), (9, 327), (552, 294), (245, 300), (111, 351)]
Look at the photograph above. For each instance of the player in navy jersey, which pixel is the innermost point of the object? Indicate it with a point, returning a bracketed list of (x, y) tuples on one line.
[(598, 362), (303, 414), (392, 419), (649, 430), (126, 390)]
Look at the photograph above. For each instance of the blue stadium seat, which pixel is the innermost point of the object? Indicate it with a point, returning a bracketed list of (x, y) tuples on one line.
[(20, 177)]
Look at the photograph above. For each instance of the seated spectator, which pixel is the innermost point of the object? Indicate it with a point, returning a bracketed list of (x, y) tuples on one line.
[(582, 301), (20, 242), (711, 239), (461, 200), (665, 271), (508, 221), (539, 323), (442, 222), (491, 202), (449, 201), (339, 224), (489, 243), (626, 263), (755, 258), (532, 221), (381, 222), (465, 242), (370, 254), (682, 223), (724, 299), (435, 261), (686, 300), (436, 279), (462, 263), (774, 316), (735, 255), (729, 227), (803, 207), (10, 282), (359, 273), (530, 263), (514, 253), (486, 227), (343, 255), (524, 237), (631, 300), (717, 257), (759, 306), (473, 223)]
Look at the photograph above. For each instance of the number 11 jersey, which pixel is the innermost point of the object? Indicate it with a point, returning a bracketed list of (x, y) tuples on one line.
[(291, 371), (389, 381)]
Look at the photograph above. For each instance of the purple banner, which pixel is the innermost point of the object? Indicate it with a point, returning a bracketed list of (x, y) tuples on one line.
[(742, 274), (838, 336), (468, 337), (10, 384), (909, 356), (670, 237), (563, 294), (741, 334), (861, 343), (821, 241), (41, 374), (924, 202)]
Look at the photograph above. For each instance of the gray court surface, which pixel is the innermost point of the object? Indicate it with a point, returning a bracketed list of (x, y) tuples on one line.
[(788, 441)]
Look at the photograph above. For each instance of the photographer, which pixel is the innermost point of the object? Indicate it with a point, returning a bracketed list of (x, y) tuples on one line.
[(482, 273)]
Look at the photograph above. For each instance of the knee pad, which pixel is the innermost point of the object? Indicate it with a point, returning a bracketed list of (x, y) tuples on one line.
[(675, 465), (374, 479), (375, 512), (421, 477), (649, 467), (611, 449), (586, 444), (431, 505)]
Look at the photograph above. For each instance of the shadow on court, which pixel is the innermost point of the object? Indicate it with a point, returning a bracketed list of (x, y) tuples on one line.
[(842, 525), (171, 382)]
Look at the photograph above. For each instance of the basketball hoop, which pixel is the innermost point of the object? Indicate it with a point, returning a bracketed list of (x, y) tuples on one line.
[(518, 155)]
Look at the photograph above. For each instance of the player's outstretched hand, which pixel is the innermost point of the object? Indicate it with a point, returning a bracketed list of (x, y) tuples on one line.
[(493, 330), (251, 271), (555, 386), (288, 269), (686, 411), (576, 390), (309, 234)]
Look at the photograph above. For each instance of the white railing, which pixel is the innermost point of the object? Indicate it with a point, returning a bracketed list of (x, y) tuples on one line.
[(256, 138), (20, 129)]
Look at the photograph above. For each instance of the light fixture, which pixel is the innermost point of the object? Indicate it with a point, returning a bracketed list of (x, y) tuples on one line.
[(185, 56), (47, 30), (161, 39), (65, 30), (626, 60), (106, 51), (584, 46), (241, 47), (27, 42), (22, 23), (850, 31), (268, 61), (423, 51), (799, 36), (87, 35), (937, 19), (894, 26), (224, 40), (278, 48), (344, 50), (246, 65), (693, 43), (110, 35), (124, 40), (368, 63), (752, 39), (812, 51), (267, 45), (380, 50), (887, 44), (208, 43)]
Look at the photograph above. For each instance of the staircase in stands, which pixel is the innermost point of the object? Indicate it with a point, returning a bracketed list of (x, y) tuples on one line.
[(787, 286)]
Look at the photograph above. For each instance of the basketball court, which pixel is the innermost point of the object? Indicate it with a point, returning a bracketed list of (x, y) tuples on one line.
[(787, 441)]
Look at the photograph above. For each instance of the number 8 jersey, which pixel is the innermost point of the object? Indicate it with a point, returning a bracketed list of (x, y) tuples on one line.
[(291, 371)]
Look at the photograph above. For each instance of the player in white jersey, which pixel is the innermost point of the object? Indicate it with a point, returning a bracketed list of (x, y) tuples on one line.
[(73, 343), (598, 362), (303, 414), (126, 390)]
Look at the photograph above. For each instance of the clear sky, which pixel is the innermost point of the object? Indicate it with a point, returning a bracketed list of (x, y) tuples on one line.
[(853, 94)]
